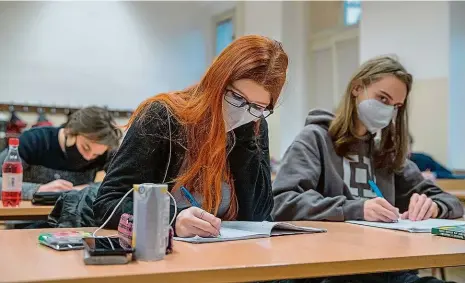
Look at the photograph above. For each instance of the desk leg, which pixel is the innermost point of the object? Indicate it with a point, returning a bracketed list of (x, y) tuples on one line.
[(443, 273)]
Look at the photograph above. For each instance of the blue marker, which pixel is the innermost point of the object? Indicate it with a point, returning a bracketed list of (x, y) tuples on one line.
[(375, 189), (189, 197)]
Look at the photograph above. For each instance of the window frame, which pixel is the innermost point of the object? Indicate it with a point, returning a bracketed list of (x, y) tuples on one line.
[(350, 4), (220, 18)]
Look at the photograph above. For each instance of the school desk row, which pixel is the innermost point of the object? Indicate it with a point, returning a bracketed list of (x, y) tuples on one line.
[(344, 249)]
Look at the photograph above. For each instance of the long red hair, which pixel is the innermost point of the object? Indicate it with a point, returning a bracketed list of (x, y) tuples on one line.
[(199, 110)]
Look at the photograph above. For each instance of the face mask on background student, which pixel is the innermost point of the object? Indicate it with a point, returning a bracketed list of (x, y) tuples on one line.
[(235, 117), (374, 114), (74, 156)]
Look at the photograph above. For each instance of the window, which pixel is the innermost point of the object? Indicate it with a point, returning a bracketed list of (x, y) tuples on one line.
[(224, 34), (352, 11)]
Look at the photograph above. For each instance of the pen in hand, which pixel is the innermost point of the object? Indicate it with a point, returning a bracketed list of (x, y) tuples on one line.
[(377, 191), (190, 198)]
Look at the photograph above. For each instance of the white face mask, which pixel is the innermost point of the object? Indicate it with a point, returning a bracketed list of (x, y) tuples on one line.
[(374, 114), (235, 117)]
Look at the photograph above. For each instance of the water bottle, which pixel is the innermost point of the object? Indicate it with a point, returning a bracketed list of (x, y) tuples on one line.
[(12, 173), (151, 221)]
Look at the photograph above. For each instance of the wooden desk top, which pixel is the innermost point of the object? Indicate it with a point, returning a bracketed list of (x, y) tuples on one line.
[(460, 194), (451, 184), (345, 249), (25, 209), (455, 187)]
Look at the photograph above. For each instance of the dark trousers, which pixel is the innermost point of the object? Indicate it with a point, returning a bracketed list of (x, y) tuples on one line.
[(385, 277)]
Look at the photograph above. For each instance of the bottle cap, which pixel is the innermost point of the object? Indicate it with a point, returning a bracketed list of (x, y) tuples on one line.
[(13, 142)]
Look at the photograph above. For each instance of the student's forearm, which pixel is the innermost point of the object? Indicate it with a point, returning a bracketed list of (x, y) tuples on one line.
[(449, 206), (28, 189), (297, 204)]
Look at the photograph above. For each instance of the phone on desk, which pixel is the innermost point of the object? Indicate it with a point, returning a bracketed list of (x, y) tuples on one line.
[(106, 251), (64, 240)]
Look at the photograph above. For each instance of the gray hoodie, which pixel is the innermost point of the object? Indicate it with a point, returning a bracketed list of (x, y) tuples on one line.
[(314, 183)]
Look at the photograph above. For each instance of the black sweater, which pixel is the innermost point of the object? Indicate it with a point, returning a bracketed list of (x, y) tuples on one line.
[(44, 161), (143, 157)]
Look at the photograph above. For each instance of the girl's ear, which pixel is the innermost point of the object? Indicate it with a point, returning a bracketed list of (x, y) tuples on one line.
[(357, 90)]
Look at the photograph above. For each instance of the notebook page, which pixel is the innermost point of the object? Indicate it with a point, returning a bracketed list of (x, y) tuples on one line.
[(241, 230), (263, 227), (424, 226), (227, 234)]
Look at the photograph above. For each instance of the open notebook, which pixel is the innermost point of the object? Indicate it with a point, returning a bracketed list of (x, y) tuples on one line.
[(242, 230), (424, 226)]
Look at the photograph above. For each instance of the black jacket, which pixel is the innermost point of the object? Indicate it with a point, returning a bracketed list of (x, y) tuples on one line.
[(143, 157), (74, 209)]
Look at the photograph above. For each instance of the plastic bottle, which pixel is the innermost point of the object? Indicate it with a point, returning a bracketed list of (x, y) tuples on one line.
[(12, 174)]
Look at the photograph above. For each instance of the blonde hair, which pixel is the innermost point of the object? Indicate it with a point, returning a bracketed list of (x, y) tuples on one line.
[(393, 149)]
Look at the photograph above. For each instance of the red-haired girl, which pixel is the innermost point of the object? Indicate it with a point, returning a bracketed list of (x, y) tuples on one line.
[(211, 138)]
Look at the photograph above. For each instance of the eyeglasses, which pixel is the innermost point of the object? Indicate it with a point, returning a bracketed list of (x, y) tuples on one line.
[(238, 100)]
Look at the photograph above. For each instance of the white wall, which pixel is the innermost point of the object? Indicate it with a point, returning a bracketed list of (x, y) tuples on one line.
[(457, 85), (296, 97), (418, 32), (105, 53)]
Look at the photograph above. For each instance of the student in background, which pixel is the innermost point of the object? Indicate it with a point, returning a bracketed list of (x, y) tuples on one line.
[(430, 168), (211, 138), (326, 171), (58, 159)]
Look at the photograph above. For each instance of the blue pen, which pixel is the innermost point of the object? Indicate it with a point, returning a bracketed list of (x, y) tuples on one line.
[(375, 189), (189, 197)]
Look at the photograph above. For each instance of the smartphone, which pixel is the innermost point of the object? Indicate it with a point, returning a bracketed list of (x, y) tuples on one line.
[(106, 246), (64, 240), (106, 259)]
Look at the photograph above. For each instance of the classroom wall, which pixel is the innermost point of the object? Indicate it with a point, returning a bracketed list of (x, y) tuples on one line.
[(105, 53), (287, 22), (422, 45), (296, 95), (49, 54), (457, 85), (160, 46), (325, 16)]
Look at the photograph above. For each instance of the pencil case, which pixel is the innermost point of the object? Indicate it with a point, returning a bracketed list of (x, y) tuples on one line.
[(45, 198)]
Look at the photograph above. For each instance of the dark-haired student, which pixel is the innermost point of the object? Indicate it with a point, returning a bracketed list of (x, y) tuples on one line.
[(57, 159), (325, 172)]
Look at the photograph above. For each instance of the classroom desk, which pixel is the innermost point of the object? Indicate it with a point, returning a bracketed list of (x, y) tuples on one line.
[(460, 194), (344, 249), (451, 184), (455, 187), (25, 211)]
